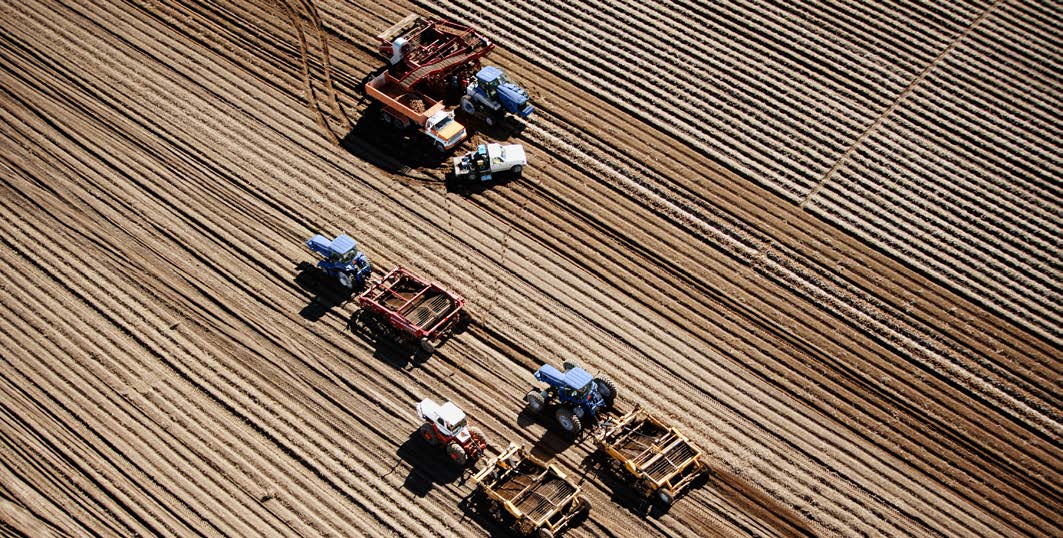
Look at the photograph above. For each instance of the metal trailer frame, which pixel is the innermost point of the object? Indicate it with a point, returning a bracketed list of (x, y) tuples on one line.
[(413, 308), (391, 95), (436, 48), (657, 457), (537, 495)]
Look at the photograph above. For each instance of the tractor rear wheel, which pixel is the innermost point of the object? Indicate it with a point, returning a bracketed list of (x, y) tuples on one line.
[(345, 281), (456, 453), (467, 106), (568, 420), (534, 402), (428, 433), (607, 389)]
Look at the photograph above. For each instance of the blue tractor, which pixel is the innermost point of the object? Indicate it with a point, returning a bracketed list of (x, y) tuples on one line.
[(575, 395), (491, 95), (342, 260)]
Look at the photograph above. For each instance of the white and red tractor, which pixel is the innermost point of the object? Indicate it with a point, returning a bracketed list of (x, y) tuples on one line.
[(446, 425)]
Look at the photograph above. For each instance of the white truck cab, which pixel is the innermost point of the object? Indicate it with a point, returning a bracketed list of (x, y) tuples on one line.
[(490, 159), (448, 419)]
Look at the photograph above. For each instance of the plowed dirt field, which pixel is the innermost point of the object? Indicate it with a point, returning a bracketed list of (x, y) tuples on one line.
[(823, 240)]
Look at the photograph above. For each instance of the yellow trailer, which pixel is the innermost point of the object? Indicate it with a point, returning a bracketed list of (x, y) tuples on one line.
[(532, 496), (659, 459)]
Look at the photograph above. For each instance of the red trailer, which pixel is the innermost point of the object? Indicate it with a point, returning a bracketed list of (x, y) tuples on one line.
[(413, 309), (425, 51)]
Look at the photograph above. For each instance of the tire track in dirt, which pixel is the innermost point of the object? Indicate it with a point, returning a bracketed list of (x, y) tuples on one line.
[(394, 245), (491, 18)]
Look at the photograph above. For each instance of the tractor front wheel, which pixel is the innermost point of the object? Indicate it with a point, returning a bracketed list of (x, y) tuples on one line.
[(517, 170), (534, 402), (428, 433), (544, 533), (568, 420), (456, 453)]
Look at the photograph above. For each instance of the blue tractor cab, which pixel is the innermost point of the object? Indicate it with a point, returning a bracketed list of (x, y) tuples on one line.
[(491, 93), (342, 260), (574, 392)]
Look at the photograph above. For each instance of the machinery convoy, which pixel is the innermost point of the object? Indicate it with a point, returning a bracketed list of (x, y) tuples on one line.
[(523, 492), (426, 58), (429, 58)]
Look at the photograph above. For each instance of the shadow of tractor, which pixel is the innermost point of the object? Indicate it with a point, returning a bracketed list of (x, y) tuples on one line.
[(324, 291), (503, 129), (429, 466)]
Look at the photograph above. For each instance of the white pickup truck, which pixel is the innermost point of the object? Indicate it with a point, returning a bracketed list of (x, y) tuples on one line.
[(488, 160)]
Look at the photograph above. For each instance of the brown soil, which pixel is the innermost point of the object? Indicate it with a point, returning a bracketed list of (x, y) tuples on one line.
[(856, 352)]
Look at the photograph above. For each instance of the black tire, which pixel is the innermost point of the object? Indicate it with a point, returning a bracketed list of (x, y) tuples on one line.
[(568, 420), (490, 120), (428, 434), (427, 346), (665, 497), (456, 453), (439, 147), (467, 106), (544, 533), (586, 504), (345, 281), (534, 402), (517, 170), (566, 366), (607, 389)]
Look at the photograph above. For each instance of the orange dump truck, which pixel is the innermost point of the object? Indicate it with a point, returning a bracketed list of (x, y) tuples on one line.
[(409, 109)]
